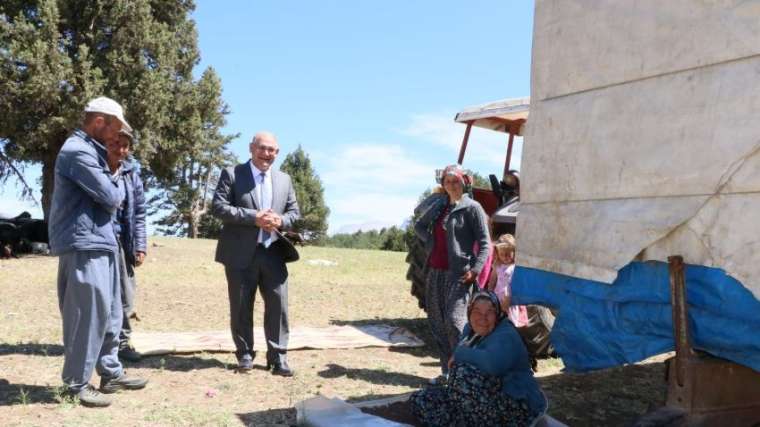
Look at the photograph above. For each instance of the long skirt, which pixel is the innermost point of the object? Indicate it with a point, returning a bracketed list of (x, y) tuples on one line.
[(469, 398), (447, 312)]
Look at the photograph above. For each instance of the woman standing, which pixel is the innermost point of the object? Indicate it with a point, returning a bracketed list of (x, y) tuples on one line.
[(452, 226)]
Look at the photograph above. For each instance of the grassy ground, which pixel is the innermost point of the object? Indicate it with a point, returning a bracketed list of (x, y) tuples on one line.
[(181, 289)]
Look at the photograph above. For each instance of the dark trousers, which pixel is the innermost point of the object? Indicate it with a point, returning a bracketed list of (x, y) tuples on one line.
[(128, 288), (267, 273)]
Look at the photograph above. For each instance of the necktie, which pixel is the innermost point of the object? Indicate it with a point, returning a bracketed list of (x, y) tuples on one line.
[(266, 203)]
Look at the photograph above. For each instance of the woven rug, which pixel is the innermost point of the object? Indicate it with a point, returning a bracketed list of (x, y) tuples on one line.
[(153, 343)]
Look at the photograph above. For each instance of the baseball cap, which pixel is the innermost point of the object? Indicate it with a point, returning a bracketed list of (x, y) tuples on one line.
[(107, 106)]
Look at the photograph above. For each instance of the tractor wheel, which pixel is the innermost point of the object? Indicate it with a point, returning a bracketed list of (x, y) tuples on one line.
[(536, 333), (417, 272)]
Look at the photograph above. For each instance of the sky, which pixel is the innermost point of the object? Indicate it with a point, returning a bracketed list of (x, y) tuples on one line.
[(368, 89)]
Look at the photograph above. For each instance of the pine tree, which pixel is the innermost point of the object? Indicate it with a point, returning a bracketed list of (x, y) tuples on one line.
[(201, 150), (56, 55), (310, 196)]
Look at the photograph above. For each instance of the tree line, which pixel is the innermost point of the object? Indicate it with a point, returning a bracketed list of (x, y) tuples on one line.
[(387, 239)]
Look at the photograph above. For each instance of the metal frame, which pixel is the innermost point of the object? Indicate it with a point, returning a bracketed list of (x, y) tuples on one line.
[(708, 390)]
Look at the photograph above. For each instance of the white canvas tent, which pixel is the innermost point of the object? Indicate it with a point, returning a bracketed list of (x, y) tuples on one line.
[(633, 151)]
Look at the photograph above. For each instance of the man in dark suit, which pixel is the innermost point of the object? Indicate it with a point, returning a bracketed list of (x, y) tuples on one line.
[(253, 201)]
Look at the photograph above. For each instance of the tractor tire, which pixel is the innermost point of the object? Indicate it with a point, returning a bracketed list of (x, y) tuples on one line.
[(417, 271), (536, 333)]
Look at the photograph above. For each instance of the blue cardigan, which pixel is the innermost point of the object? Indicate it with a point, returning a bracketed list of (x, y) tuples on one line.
[(502, 353), (132, 216)]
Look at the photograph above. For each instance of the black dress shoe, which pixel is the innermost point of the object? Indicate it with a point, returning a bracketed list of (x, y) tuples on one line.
[(282, 369), (245, 363)]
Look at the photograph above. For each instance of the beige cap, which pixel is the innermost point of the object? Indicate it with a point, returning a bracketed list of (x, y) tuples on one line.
[(107, 106)]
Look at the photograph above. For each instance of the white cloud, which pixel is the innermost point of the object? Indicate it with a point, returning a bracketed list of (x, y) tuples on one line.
[(486, 149), (440, 129), (378, 208), (381, 182), (376, 166), (377, 183)]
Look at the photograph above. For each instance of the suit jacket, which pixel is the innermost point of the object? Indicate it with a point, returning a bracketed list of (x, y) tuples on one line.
[(235, 204)]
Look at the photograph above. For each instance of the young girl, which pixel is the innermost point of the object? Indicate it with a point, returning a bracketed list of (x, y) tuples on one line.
[(501, 279)]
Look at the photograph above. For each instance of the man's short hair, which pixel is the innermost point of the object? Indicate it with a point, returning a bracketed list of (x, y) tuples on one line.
[(90, 117), (128, 135)]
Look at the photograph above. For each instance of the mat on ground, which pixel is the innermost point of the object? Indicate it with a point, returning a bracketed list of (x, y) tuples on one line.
[(155, 343)]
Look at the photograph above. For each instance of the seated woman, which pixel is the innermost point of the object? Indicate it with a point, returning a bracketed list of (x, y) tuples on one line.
[(490, 380)]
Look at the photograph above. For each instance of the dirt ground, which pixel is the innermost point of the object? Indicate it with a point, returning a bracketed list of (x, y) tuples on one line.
[(181, 289)]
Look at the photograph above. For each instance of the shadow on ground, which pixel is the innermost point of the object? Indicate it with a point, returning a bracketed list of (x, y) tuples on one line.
[(418, 327), (31, 349), (25, 394), (181, 363), (609, 397), (269, 417), (374, 376)]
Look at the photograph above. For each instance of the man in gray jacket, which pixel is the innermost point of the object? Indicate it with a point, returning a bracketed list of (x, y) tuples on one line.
[(254, 201), (85, 197)]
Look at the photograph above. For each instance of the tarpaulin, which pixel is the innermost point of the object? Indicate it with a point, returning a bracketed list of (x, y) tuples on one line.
[(601, 325)]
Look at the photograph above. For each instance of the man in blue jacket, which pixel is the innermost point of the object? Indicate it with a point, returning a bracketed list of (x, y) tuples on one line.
[(129, 225), (85, 198)]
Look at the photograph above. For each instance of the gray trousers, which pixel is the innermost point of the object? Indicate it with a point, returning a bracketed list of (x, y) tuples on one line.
[(90, 302), (128, 288), (267, 273), (446, 302)]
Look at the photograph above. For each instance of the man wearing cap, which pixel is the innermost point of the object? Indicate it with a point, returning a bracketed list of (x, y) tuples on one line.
[(85, 198), (254, 202), (129, 225)]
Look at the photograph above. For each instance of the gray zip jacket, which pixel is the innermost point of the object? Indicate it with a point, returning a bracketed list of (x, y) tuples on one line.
[(465, 227), (85, 198)]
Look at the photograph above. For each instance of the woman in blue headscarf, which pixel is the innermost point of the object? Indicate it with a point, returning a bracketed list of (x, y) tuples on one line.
[(490, 378)]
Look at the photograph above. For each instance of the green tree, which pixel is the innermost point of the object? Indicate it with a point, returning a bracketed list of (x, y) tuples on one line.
[(56, 55), (210, 227), (201, 150), (393, 240), (310, 196), (479, 182)]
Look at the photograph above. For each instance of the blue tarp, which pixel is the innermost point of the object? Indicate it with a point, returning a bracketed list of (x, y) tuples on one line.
[(601, 325)]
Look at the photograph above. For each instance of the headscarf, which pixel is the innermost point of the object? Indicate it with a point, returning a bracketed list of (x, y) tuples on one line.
[(472, 338), (490, 296), (457, 171)]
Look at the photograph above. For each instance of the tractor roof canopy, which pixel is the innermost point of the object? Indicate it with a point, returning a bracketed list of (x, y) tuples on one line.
[(506, 115)]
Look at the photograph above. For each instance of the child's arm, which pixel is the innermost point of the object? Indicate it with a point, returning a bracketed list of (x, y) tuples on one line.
[(491, 285), (507, 300), (505, 303)]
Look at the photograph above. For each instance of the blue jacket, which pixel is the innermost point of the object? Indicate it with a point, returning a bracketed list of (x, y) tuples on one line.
[(132, 217), (465, 226), (85, 198), (502, 353)]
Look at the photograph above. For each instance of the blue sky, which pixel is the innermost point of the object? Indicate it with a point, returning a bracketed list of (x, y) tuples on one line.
[(368, 89)]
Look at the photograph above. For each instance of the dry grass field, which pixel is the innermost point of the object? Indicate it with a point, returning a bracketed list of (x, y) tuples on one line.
[(180, 288)]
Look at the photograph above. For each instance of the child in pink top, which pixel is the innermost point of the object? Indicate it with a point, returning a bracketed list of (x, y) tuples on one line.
[(501, 279)]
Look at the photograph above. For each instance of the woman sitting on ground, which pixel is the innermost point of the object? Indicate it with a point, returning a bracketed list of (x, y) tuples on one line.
[(490, 380)]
